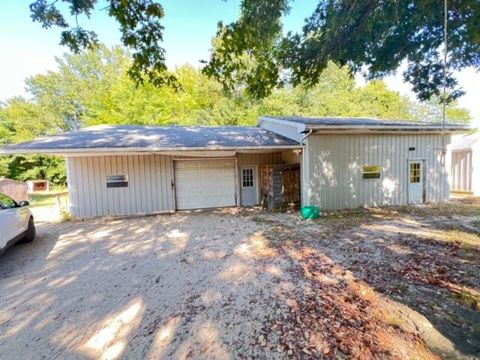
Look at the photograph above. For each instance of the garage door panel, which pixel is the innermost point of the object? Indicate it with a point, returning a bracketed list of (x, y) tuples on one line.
[(205, 183)]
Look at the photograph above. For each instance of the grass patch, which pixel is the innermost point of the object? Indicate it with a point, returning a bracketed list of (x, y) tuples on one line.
[(395, 320), (47, 199), (468, 299), (66, 216)]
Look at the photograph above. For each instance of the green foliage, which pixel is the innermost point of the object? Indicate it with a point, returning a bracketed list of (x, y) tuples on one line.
[(376, 35), (48, 199), (33, 167), (140, 26), (25, 120), (245, 50), (93, 88), (6, 130)]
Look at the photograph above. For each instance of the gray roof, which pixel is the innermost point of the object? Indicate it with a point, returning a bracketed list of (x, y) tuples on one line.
[(154, 138), (466, 141), (352, 122)]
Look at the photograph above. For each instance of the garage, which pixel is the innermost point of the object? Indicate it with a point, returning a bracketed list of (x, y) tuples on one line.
[(133, 170), (201, 184)]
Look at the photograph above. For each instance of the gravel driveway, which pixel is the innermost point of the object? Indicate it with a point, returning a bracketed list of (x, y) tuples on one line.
[(182, 285), (243, 284)]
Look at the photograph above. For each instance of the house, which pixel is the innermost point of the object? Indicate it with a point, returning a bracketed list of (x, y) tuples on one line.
[(343, 163), (465, 164)]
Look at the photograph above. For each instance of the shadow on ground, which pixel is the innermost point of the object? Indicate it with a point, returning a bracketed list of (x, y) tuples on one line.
[(239, 284)]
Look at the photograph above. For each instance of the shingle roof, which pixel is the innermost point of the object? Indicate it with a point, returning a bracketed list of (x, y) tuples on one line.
[(363, 122), (154, 138)]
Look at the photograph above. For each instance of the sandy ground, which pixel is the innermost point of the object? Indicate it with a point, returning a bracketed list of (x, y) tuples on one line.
[(46, 214), (183, 285), (219, 285)]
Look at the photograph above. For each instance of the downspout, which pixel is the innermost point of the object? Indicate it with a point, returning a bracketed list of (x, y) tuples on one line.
[(304, 169), (310, 132)]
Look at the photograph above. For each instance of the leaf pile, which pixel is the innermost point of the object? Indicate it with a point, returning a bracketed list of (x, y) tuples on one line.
[(330, 316)]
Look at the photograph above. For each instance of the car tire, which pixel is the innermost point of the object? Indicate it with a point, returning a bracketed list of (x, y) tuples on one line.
[(31, 232)]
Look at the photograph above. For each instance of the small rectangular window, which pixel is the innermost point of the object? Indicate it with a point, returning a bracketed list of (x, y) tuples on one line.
[(371, 172), (117, 181)]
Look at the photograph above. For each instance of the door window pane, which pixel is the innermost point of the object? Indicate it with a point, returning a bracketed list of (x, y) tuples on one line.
[(247, 178), (415, 173)]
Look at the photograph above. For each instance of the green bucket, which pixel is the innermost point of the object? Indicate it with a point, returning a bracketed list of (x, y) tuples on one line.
[(310, 212)]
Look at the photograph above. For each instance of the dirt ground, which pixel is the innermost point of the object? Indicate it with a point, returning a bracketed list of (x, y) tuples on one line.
[(398, 283)]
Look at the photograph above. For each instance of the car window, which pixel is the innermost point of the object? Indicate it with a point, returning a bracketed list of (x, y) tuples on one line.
[(6, 202)]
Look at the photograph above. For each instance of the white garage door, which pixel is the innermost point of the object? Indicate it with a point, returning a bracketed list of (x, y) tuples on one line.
[(204, 183)]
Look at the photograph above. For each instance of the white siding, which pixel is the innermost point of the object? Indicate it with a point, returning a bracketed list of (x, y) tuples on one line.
[(461, 175), (149, 185), (333, 169), (476, 168), (288, 129)]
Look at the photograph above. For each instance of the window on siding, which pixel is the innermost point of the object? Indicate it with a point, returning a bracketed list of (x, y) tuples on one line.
[(117, 181), (371, 172)]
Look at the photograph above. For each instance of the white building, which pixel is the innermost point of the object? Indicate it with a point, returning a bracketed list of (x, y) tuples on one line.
[(344, 163), (465, 169)]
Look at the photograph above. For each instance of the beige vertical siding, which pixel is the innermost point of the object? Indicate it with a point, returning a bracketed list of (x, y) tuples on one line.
[(333, 169), (292, 157), (283, 157), (259, 158), (149, 185)]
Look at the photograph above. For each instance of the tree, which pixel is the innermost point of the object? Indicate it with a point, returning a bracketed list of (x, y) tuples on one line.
[(431, 111), (93, 88), (376, 35), (25, 120), (140, 26), (254, 52)]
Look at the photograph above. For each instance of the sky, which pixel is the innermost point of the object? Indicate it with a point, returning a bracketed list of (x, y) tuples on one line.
[(28, 49)]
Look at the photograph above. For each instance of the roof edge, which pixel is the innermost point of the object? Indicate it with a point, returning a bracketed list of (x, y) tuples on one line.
[(413, 129), (6, 151), (396, 124)]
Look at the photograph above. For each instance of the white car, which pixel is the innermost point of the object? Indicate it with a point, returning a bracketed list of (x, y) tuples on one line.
[(16, 222)]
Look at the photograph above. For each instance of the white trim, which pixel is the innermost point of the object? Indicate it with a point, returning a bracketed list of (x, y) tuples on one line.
[(423, 161), (204, 159), (136, 150), (414, 127), (300, 126), (382, 131), (173, 184), (238, 196)]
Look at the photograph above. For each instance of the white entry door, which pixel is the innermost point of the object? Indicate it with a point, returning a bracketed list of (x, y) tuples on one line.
[(248, 183), (201, 184), (416, 181)]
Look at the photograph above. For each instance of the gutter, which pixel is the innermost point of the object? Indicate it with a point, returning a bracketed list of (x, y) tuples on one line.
[(61, 151), (386, 128)]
